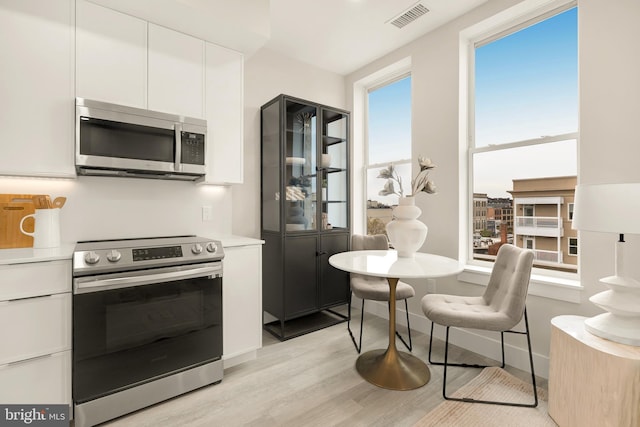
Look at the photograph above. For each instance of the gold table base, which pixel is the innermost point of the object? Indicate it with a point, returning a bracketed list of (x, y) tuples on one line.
[(393, 370), (390, 368)]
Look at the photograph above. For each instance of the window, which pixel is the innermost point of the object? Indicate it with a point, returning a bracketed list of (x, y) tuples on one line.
[(388, 143), (527, 210), (570, 211), (523, 134), (573, 246), (529, 242)]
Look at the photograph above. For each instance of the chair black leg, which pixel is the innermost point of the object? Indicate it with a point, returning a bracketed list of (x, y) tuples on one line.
[(462, 365), (409, 346), (491, 402), (358, 346)]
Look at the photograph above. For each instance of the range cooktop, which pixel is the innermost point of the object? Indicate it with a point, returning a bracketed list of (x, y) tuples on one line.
[(102, 256)]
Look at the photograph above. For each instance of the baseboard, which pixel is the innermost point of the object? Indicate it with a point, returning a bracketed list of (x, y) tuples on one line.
[(515, 356)]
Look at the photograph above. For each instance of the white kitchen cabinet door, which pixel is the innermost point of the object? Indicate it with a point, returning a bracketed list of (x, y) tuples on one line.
[(33, 279), (37, 88), (111, 56), (242, 300), (224, 113), (176, 72), (38, 326), (43, 380)]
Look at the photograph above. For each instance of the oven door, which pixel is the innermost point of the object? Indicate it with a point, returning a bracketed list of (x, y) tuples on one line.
[(131, 328)]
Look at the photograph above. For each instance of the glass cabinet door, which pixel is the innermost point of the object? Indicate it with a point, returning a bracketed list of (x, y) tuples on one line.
[(300, 175), (333, 164), (271, 167)]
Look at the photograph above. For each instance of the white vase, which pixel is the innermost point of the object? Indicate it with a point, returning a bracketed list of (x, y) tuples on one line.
[(405, 232)]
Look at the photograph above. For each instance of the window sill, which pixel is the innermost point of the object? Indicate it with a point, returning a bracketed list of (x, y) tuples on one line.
[(558, 288)]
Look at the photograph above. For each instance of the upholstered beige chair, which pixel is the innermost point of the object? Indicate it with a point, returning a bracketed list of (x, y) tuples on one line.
[(375, 288), (500, 309)]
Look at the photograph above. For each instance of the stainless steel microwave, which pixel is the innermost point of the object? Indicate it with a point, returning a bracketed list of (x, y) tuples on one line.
[(116, 140)]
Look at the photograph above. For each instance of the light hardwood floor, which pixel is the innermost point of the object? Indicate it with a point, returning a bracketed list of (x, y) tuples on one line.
[(311, 381)]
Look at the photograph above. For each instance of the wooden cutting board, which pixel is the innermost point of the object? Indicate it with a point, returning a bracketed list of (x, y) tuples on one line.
[(13, 207)]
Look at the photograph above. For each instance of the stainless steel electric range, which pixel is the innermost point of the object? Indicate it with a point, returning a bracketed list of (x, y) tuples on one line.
[(147, 322)]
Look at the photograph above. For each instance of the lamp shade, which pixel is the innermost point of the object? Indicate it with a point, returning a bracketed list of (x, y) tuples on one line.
[(609, 208)]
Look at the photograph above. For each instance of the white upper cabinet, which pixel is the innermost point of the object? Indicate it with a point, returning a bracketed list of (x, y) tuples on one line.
[(224, 114), (36, 93), (111, 56), (57, 50), (176, 72)]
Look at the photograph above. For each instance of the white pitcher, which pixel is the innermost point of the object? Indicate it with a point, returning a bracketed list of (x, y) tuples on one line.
[(46, 231)]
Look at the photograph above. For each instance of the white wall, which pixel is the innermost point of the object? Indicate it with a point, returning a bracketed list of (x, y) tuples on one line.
[(111, 208), (267, 74), (609, 108), (609, 111)]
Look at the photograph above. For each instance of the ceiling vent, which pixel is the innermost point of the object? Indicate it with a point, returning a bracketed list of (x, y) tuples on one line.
[(409, 15)]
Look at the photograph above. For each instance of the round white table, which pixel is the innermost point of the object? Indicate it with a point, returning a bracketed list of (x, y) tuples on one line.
[(390, 368)]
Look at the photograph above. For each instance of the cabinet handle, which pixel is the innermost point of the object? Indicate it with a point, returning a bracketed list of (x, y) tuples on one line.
[(30, 359), (321, 253)]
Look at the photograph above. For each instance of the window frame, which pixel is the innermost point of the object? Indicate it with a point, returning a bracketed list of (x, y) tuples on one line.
[(569, 246), (559, 285)]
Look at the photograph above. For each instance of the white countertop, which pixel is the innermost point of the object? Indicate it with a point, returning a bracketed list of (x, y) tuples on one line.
[(388, 264), (65, 251), (230, 240), (26, 255)]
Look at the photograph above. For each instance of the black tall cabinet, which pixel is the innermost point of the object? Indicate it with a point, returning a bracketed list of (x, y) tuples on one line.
[(305, 208)]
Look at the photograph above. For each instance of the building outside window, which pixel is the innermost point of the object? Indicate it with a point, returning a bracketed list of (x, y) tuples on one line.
[(541, 208), (523, 139), (388, 144)]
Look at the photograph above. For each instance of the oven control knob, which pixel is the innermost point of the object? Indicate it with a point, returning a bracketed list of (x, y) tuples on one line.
[(196, 249), (91, 257), (212, 247), (113, 255)]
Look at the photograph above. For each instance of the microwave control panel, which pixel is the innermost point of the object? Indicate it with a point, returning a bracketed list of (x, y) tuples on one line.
[(192, 148)]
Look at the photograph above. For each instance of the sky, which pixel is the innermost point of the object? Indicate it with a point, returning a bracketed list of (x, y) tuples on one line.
[(389, 135), (526, 86), (390, 122)]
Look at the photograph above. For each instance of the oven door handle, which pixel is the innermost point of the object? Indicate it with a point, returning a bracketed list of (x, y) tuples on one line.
[(95, 284)]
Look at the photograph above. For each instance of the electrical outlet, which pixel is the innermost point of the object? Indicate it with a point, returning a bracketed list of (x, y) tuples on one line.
[(207, 213)]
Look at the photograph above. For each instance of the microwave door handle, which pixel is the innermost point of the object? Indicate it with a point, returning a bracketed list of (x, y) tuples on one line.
[(178, 160)]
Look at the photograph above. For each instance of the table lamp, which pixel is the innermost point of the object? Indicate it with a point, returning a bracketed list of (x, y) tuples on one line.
[(613, 208)]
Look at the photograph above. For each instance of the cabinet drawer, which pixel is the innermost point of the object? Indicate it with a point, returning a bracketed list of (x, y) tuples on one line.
[(34, 279), (44, 380), (34, 327)]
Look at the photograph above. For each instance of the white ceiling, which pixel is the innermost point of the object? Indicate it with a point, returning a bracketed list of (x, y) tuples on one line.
[(336, 35), (343, 35)]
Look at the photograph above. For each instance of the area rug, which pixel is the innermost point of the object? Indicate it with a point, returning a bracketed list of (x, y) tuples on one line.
[(491, 384)]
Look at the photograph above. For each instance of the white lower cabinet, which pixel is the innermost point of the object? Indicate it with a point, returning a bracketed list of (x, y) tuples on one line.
[(39, 326), (242, 303), (35, 314), (33, 279), (43, 380)]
